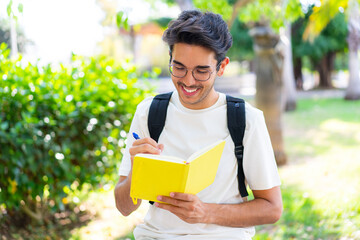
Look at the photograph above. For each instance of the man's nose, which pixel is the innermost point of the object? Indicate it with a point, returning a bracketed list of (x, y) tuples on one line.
[(189, 78)]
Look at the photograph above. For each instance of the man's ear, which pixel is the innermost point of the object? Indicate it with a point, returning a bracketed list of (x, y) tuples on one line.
[(223, 65)]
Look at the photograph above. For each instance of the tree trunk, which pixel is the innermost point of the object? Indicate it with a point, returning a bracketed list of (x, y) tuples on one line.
[(133, 42), (268, 98), (298, 73), (185, 4), (288, 71), (13, 37), (325, 67), (297, 61), (353, 89)]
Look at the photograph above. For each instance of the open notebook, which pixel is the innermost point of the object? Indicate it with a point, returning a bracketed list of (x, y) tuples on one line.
[(155, 175)]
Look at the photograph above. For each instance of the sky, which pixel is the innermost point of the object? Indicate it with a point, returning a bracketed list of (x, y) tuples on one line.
[(57, 28)]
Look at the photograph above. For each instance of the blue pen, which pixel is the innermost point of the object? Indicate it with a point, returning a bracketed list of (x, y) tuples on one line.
[(136, 136)]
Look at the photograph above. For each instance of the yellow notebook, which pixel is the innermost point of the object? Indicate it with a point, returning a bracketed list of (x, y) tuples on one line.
[(155, 175)]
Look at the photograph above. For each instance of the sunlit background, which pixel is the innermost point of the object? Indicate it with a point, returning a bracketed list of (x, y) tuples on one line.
[(56, 29)]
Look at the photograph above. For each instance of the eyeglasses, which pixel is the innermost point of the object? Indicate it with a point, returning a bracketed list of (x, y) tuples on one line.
[(199, 74)]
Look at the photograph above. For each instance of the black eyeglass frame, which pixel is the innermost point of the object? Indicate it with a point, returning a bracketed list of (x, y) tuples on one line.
[(192, 72)]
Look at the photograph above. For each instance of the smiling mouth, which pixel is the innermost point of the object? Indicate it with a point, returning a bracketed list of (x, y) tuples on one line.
[(189, 91)]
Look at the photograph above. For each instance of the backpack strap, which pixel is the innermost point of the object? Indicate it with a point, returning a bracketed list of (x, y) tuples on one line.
[(236, 126), (157, 114)]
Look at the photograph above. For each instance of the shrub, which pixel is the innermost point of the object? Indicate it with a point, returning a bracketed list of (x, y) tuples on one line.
[(61, 127)]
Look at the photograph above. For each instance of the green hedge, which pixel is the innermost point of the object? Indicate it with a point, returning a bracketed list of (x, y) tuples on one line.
[(62, 127)]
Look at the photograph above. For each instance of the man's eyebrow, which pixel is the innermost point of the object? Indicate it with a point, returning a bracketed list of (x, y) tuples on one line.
[(199, 66), (178, 63)]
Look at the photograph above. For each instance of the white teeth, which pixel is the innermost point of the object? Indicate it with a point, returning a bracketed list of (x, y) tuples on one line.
[(190, 90)]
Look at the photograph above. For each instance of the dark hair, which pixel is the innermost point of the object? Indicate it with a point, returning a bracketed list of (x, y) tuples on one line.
[(207, 29)]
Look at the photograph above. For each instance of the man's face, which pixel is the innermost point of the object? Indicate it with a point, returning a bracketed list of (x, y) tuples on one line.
[(195, 94)]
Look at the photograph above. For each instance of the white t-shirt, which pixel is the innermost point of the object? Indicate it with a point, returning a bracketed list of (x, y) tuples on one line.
[(187, 131)]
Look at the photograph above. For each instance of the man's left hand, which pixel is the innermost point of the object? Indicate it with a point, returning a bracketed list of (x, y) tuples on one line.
[(187, 207)]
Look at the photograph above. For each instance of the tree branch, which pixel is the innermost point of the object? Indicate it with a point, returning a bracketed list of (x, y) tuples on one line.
[(236, 9), (34, 215)]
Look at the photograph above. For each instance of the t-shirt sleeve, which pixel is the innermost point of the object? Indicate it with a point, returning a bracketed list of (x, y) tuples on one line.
[(139, 126), (259, 161)]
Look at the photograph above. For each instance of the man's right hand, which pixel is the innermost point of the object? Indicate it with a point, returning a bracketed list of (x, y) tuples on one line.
[(145, 145), (122, 189)]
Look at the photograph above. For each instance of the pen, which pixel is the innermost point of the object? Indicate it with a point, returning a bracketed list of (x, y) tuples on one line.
[(135, 136)]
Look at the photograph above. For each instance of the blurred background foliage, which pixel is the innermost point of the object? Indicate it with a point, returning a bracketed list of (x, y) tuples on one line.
[(62, 127)]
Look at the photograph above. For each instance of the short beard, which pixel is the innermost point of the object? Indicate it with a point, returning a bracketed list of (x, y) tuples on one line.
[(205, 94)]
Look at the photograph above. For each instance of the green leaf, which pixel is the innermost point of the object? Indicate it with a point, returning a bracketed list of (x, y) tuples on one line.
[(218, 6), (122, 20), (9, 8), (322, 16), (20, 7), (119, 17), (4, 126), (293, 11)]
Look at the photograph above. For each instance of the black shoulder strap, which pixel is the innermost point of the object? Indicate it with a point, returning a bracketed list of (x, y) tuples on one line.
[(157, 114), (236, 124)]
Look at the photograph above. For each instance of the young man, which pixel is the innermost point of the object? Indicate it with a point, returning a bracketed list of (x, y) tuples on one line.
[(196, 117)]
